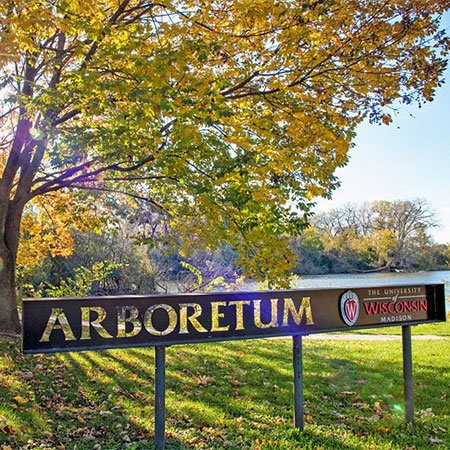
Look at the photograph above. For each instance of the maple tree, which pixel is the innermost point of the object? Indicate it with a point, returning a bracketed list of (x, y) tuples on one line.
[(228, 117)]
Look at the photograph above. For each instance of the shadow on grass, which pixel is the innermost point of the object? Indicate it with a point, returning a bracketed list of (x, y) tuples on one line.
[(231, 395)]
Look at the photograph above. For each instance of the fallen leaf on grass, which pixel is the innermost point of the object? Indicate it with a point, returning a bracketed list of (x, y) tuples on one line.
[(362, 405), (204, 380), (427, 412), (27, 376), (20, 400), (7, 430), (378, 409), (196, 441)]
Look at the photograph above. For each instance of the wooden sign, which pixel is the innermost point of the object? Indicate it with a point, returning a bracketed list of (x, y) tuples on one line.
[(56, 325)]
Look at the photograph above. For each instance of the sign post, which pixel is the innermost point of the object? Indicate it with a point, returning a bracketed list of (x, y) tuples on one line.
[(63, 325), (160, 396), (298, 382), (407, 374)]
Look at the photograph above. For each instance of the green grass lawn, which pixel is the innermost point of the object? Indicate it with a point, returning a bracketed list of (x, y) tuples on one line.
[(224, 396), (437, 329)]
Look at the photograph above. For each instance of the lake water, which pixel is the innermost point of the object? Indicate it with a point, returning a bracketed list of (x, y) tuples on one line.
[(346, 280), (373, 279)]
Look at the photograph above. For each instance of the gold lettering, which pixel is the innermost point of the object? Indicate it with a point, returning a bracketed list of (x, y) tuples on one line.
[(57, 321), (122, 320), (216, 315), (274, 314), (239, 312), (192, 318), (86, 322), (304, 309), (172, 315)]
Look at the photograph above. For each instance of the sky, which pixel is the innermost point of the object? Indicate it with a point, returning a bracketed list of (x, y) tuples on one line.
[(408, 159)]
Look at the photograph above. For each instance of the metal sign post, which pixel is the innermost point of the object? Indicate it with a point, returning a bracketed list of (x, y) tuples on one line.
[(407, 374), (298, 382), (160, 396)]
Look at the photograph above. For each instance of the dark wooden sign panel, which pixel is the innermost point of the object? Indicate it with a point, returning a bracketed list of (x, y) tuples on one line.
[(55, 325)]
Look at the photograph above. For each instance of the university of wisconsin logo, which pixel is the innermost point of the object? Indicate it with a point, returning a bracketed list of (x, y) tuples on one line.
[(349, 307)]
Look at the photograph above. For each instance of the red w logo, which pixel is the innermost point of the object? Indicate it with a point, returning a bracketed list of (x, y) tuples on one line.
[(351, 309)]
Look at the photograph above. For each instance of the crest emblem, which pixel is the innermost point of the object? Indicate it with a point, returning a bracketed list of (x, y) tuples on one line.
[(349, 307)]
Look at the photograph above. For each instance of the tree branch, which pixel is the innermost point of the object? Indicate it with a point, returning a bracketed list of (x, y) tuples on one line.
[(69, 115), (241, 84), (116, 191), (62, 180), (112, 20), (143, 178), (9, 112)]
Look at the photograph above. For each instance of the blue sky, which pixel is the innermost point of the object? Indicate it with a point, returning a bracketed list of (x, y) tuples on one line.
[(409, 158)]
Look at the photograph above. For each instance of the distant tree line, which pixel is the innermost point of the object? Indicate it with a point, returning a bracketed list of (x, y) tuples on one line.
[(369, 237), (136, 253)]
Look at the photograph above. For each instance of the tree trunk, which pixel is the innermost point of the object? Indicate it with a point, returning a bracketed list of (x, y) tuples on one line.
[(9, 316)]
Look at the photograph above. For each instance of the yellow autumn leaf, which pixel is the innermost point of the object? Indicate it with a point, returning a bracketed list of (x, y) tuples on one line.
[(20, 400)]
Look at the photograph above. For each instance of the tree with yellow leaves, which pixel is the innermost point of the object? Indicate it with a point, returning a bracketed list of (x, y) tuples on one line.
[(228, 117), (47, 225)]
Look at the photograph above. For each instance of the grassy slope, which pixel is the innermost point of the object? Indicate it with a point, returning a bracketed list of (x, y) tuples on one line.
[(228, 395)]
